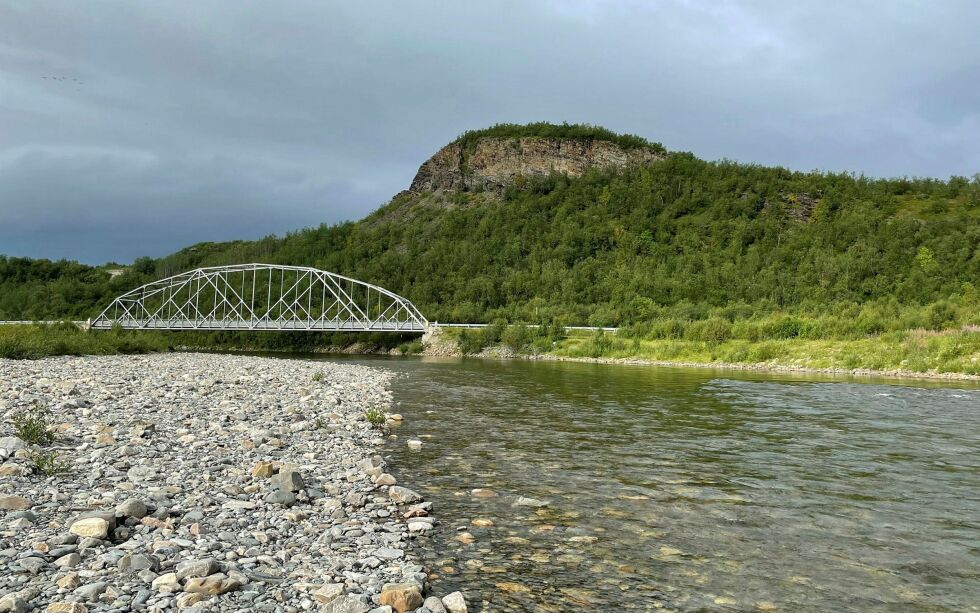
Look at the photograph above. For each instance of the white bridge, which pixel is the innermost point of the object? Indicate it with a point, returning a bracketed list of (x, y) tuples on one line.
[(262, 297)]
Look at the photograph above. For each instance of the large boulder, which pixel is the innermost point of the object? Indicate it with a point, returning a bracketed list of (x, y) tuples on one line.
[(402, 596)]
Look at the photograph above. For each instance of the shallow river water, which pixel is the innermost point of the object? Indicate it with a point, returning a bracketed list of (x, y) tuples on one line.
[(692, 490)]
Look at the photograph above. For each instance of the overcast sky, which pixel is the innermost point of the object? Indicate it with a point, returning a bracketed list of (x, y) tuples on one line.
[(137, 128)]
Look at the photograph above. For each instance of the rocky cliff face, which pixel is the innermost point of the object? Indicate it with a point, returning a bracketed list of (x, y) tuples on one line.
[(492, 163)]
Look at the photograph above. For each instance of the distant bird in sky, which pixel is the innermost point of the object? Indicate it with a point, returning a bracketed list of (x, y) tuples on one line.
[(71, 79)]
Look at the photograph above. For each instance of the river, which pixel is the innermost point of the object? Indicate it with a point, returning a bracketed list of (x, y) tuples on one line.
[(692, 490)]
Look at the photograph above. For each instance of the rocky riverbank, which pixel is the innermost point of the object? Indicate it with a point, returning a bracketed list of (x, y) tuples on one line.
[(203, 482)]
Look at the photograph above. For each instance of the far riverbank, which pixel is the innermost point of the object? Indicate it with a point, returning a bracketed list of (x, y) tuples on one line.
[(914, 354)]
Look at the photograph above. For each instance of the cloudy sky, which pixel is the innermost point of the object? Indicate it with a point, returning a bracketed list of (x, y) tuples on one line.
[(136, 128)]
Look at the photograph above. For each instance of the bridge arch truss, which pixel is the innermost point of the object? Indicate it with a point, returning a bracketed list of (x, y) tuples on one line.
[(262, 297)]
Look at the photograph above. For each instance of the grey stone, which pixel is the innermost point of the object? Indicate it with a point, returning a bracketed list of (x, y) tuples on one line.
[(131, 508), (141, 597), (141, 474), (387, 553), (28, 515), (19, 524), (347, 604), (13, 603), (11, 444), (455, 603), (92, 591), (403, 495), (287, 480), (197, 568), (32, 564), (68, 561), (132, 563), (286, 499)]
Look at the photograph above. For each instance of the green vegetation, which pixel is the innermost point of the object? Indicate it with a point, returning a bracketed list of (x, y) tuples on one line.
[(700, 258), (517, 338), (33, 341), (920, 351), (47, 463), (412, 347), (376, 417), (38, 341), (32, 426), (295, 342), (317, 376), (550, 130), (35, 290)]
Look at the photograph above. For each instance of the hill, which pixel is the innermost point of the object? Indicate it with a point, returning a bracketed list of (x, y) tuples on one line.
[(577, 225)]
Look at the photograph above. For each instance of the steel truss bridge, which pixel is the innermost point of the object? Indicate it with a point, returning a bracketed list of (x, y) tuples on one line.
[(261, 297)]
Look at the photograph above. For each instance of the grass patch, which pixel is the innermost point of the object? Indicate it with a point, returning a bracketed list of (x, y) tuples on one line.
[(31, 342), (950, 351), (376, 417)]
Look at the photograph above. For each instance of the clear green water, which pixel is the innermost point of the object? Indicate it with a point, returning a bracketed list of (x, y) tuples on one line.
[(692, 490)]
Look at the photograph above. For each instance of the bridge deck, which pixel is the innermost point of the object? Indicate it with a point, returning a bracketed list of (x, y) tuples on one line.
[(318, 325)]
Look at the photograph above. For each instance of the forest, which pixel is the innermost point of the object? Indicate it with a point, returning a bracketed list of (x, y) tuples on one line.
[(679, 248)]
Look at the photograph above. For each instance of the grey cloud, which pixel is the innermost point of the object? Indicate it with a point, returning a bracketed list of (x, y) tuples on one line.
[(177, 122)]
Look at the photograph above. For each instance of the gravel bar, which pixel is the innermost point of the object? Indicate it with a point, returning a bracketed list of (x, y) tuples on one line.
[(204, 482)]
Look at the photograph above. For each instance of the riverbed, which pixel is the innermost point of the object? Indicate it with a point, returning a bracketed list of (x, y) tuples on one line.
[(690, 489)]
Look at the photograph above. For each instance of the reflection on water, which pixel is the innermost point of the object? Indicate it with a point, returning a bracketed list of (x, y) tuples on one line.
[(692, 490)]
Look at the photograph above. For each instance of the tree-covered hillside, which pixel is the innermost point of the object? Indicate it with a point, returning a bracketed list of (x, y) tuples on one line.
[(656, 247)]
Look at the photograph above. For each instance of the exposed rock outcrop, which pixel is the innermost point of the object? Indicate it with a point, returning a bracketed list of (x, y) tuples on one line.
[(493, 163)]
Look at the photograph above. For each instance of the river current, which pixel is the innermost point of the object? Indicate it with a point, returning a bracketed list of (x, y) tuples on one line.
[(691, 490)]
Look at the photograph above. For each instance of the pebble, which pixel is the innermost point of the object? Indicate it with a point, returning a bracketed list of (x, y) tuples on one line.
[(523, 501)]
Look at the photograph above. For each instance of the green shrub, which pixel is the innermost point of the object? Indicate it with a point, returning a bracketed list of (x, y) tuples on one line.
[(47, 463), (598, 345), (471, 341), (317, 376), (32, 425), (941, 315), (714, 330), (411, 348), (667, 329), (494, 332), (517, 337), (783, 327)]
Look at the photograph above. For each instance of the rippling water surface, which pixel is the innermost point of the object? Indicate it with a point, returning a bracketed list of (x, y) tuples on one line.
[(693, 490)]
